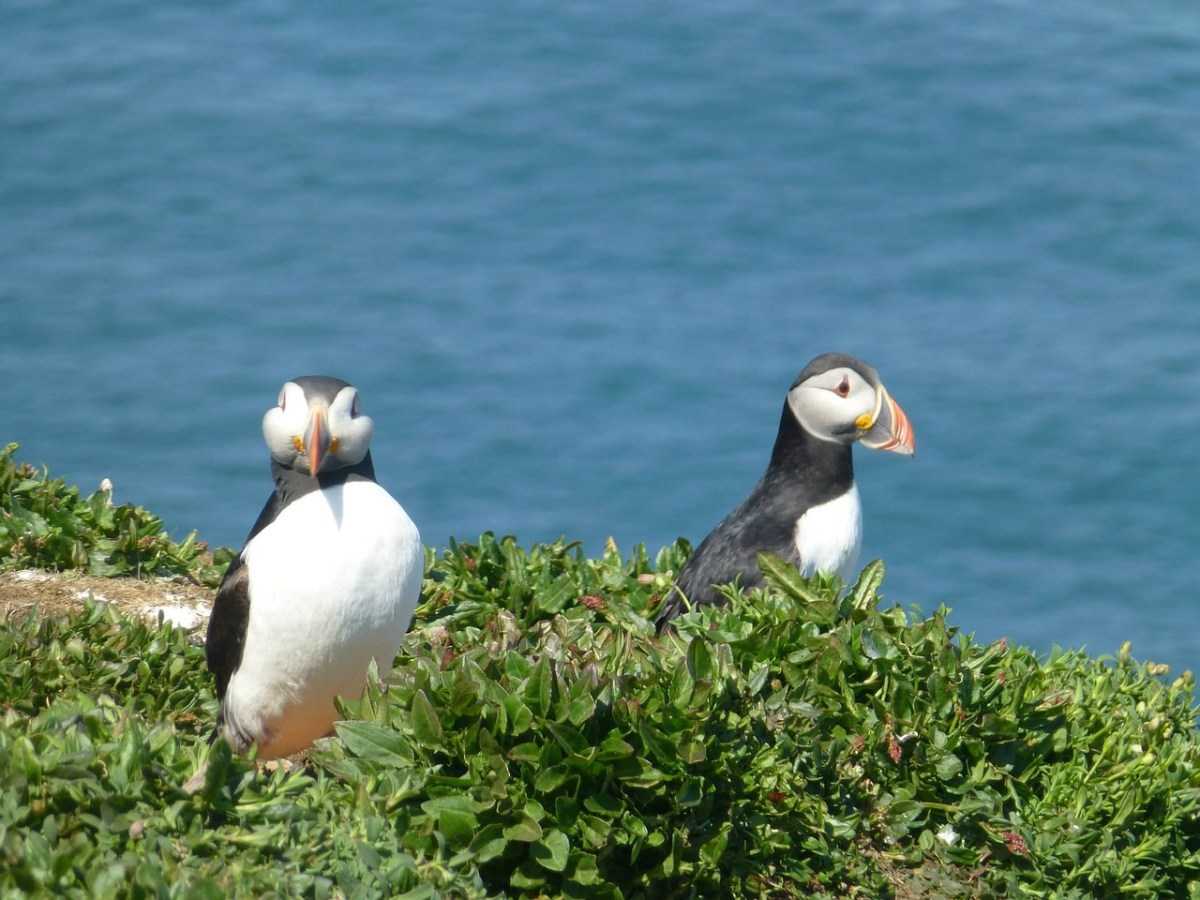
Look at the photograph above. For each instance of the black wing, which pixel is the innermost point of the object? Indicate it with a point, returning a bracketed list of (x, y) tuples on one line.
[(231, 609), (730, 552), (227, 625)]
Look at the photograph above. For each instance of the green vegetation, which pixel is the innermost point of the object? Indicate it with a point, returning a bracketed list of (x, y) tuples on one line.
[(537, 740), (46, 523)]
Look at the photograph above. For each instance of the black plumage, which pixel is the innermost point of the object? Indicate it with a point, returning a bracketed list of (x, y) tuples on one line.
[(804, 471), (227, 626)]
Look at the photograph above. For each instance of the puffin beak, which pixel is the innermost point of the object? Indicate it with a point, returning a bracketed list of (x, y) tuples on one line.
[(890, 429), (316, 441)]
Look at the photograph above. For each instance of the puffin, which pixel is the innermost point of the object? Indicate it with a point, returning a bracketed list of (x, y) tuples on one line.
[(327, 580), (806, 507)]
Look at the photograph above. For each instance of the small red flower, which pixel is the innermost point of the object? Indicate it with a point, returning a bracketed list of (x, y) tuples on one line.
[(448, 656), (591, 601), (1001, 678), (1016, 844), (894, 750), (857, 743), (776, 796)]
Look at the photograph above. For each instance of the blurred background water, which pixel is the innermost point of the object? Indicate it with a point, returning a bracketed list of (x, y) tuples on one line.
[(574, 254)]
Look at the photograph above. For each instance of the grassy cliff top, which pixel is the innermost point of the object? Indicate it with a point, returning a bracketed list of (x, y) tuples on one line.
[(537, 740)]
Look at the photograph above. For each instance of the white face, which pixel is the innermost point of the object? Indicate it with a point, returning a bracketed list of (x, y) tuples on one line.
[(344, 435), (838, 405)]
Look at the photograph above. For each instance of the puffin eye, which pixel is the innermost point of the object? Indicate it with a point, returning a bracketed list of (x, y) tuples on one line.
[(282, 401), (354, 408), (843, 389)]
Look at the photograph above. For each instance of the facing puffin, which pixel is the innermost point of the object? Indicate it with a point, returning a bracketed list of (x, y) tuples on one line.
[(327, 580), (805, 508)]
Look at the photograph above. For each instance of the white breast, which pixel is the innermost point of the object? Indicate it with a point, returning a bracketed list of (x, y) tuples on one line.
[(829, 537), (333, 583)]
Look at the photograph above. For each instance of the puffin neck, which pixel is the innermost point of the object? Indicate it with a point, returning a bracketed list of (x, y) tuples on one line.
[(798, 454), (291, 485)]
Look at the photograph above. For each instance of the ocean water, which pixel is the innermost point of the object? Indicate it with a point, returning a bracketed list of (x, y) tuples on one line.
[(574, 254)]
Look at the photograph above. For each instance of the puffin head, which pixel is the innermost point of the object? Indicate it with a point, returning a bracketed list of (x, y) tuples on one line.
[(839, 398), (316, 426)]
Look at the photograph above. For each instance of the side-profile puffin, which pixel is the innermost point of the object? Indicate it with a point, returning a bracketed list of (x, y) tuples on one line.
[(805, 508), (327, 580)]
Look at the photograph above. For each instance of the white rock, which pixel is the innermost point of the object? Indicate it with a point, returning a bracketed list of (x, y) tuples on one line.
[(179, 616), (31, 575)]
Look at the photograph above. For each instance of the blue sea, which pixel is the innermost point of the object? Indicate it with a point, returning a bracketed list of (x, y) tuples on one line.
[(574, 254)]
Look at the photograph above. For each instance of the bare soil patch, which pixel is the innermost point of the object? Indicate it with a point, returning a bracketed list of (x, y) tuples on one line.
[(184, 604)]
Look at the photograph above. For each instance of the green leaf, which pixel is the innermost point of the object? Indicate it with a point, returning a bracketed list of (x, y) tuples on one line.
[(713, 849), (551, 851), (758, 677), (527, 752), (553, 599), (568, 738), (489, 843), (550, 779), (700, 660), (581, 709), (614, 747), (866, 589), (690, 793), (425, 723), (949, 767), (520, 718), (538, 689), (525, 829), (682, 685), (786, 577), (457, 826), (566, 811), (643, 775), (603, 804), (584, 868), (528, 875), (595, 830), (876, 645), (376, 743)]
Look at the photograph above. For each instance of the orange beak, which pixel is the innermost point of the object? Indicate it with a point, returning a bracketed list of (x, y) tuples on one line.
[(317, 442), (891, 430)]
